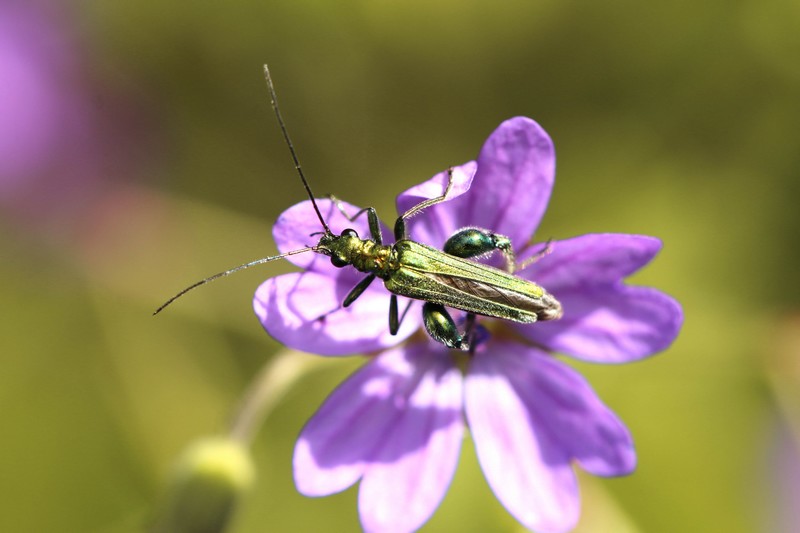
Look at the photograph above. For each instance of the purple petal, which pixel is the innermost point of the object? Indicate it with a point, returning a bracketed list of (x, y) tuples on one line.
[(612, 324), (508, 195), (41, 103), (783, 478), (295, 229), (338, 441), (562, 403), (397, 422), (437, 223), (512, 186), (589, 260), (415, 463), (525, 463), (604, 321), (290, 308)]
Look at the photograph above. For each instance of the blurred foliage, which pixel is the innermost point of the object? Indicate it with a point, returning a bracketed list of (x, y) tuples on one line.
[(678, 120)]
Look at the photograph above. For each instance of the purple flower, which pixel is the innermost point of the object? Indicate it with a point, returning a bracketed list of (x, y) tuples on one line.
[(67, 139), (397, 423), (44, 113)]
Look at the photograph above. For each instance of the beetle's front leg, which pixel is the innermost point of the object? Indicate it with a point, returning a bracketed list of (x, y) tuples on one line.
[(358, 290), (372, 218)]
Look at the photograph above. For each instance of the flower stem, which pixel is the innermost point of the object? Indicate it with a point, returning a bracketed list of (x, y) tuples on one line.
[(266, 390)]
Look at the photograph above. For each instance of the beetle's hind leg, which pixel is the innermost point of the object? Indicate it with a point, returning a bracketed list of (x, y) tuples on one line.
[(477, 242), (522, 265), (442, 328)]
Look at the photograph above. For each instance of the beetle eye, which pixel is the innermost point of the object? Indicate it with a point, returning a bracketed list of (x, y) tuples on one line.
[(338, 261), (349, 232)]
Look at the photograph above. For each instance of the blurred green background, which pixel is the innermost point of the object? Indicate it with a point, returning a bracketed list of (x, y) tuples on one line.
[(679, 120)]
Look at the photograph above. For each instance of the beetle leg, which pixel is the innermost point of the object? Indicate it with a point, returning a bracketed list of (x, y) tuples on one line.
[(394, 319), (469, 332), (442, 328), (358, 290), (400, 230), (372, 218), (548, 247), (477, 242)]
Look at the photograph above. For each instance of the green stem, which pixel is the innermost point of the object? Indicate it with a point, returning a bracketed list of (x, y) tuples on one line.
[(267, 389)]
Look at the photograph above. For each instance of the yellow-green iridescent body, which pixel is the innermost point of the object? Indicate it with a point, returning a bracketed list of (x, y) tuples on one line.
[(415, 270)]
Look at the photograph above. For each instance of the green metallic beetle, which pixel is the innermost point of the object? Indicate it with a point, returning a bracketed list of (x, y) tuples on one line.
[(440, 278)]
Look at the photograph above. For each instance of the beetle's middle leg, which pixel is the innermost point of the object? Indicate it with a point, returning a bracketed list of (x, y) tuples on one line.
[(395, 319)]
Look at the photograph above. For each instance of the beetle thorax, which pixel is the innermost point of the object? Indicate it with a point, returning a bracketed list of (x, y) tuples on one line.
[(368, 256), (365, 255)]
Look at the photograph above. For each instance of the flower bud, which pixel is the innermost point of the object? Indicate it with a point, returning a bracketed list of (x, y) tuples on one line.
[(208, 482)]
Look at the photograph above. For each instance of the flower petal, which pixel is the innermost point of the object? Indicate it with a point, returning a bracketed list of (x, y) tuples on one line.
[(437, 223), (338, 441), (397, 422), (563, 403), (415, 463), (526, 465), (508, 195), (303, 311), (512, 186), (611, 324), (296, 228), (588, 260)]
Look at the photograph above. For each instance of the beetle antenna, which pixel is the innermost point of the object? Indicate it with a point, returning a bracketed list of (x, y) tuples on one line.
[(274, 101), (231, 271)]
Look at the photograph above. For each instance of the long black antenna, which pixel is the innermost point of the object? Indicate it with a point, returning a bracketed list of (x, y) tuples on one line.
[(274, 100), (231, 271)]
